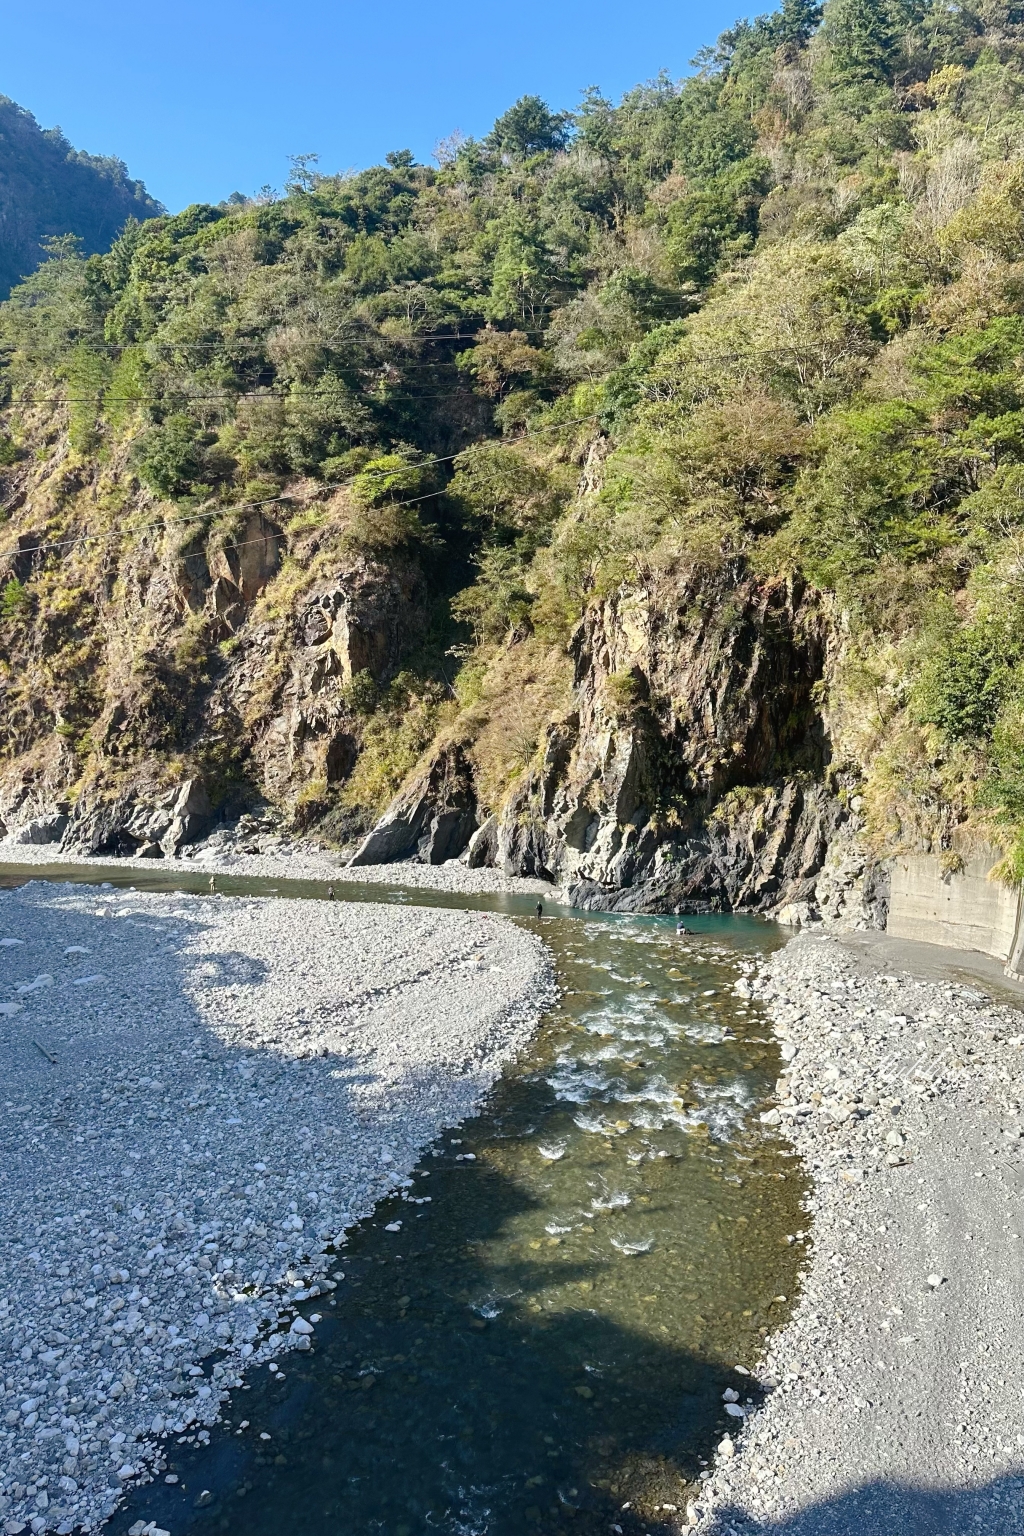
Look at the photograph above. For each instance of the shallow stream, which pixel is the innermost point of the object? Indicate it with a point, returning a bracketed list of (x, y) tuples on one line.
[(543, 1343)]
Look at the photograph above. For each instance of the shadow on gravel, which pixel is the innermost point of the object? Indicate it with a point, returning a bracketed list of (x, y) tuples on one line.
[(893, 1509)]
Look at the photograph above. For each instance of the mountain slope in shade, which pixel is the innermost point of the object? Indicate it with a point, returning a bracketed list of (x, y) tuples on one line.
[(48, 188)]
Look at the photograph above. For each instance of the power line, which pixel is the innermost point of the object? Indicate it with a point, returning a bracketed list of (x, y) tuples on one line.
[(313, 394), (125, 533), (173, 522), (242, 394)]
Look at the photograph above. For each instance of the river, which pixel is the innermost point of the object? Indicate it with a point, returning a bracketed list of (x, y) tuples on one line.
[(543, 1343)]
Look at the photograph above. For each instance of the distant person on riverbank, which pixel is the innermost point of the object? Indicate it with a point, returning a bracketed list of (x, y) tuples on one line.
[(540, 909), (681, 928)]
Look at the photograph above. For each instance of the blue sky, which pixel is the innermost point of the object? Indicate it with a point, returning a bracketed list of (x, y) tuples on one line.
[(205, 97)]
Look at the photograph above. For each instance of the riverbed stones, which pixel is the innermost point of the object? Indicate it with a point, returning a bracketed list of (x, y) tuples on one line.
[(278, 857), (184, 1142), (895, 1394)]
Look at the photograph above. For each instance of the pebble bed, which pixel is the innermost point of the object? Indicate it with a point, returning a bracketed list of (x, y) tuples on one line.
[(278, 858), (197, 1097), (894, 1399)]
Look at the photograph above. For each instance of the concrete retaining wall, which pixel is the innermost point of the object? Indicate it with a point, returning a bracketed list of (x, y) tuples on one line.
[(965, 910)]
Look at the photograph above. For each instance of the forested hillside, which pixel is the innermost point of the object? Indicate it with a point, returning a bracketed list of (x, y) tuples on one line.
[(48, 189), (652, 475)]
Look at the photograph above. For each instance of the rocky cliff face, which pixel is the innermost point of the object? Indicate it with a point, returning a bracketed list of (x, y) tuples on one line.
[(693, 772), (160, 682)]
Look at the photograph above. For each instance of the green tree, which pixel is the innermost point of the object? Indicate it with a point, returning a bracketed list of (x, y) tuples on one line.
[(529, 128), (523, 278), (866, 38)]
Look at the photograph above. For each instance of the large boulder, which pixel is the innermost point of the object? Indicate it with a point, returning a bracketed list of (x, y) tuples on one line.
[(133, 824), (40, 831), (431, 819)]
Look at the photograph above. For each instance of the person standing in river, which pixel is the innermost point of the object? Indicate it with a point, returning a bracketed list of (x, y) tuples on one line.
[(540, 909)]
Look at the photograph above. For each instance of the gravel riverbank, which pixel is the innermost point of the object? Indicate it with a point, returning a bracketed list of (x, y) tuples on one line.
[(895, 1396), (197, 1097), (283, 860)]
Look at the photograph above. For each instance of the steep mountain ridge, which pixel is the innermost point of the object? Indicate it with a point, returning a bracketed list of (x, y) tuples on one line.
[(633, 499)]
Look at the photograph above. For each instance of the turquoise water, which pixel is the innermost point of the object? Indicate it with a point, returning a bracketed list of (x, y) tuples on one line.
[(580, 1268)]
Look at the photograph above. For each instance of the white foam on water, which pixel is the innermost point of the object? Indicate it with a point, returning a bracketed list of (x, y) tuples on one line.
[(657, 1120), (632, 1246), (573, 1084), (612, 1202), (656, 1091)]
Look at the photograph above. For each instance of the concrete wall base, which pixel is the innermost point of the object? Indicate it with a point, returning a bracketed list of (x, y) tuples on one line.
[(963, 909)]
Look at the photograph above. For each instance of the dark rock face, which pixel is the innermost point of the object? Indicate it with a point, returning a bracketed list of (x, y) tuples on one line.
[(482, 848), (131, 824), (432, 819), (693, 773), (760, 857)]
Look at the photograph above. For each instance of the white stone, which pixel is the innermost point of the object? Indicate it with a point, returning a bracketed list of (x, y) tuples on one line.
[(35, 986)]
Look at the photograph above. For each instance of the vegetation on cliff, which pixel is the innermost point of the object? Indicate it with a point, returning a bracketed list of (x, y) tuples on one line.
[(770, 319)]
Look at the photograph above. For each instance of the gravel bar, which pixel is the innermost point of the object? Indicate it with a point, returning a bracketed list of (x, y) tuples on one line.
[(198, 1096), (894, 1399), (284, 860)]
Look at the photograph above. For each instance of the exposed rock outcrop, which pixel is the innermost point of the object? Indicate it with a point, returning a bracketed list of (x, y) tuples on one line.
[(225, 658), (131, 824), (693, 772), (360, 620), (432, 819), (39, 831), (691, 769)]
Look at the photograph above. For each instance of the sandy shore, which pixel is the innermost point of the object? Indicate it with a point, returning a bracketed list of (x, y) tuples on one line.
[(197, 1097), (296, 861), (895, 1396)]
